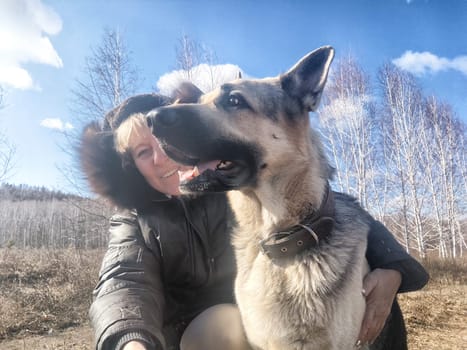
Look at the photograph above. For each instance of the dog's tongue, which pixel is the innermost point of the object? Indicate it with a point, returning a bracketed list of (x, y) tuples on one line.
[(186, 175)]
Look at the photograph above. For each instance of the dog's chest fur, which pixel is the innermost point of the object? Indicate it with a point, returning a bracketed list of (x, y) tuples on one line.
[(309, 301)]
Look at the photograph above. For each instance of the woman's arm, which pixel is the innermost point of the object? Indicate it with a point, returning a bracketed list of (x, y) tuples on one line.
[(393, 271), (379, 289), (128, 299), (384, 252)]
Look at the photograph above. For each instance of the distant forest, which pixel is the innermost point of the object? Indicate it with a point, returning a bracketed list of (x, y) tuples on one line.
[(36, 217), (37, 193)]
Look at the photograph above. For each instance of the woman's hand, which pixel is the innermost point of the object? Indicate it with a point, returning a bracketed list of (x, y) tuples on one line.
[(379, 288), (134, 345)]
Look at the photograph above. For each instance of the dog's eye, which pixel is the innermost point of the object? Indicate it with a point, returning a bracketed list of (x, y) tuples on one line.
[(236, 100)]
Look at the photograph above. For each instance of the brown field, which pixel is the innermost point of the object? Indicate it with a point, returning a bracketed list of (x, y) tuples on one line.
[(45, 295)]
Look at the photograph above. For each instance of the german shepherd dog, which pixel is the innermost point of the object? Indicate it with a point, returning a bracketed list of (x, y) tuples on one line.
[(300, 247)]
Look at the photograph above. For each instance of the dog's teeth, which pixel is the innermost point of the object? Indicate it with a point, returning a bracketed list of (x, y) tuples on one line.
[(195, 171)]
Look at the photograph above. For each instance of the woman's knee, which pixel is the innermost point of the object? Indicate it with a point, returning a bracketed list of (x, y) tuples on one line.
[(218, 327)]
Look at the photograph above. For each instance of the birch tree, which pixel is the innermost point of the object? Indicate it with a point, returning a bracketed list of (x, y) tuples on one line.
[(53, 224), (402, 155), (403, 122), (7, 148), (443, 143), (188, 54), (431, 150), (109, 77), (197, 63), (348, 124)]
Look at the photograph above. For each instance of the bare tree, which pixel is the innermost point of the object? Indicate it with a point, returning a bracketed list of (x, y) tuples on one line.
[(425, 161), (404, 158), (109, 77), (197, 63), (404, 120), (210, 58), (53, 223), (7, 148), (348, 124), (188, 54), (444, 141), (429, 140)]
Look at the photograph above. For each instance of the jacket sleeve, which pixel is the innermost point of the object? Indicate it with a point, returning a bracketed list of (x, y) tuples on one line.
[(128, 298), (383, 251)]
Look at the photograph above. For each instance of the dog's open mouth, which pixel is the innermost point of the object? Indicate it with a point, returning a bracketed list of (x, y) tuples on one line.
[(207, 175), (219, 166)]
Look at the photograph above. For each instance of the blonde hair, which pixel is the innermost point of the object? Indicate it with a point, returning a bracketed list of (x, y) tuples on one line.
[(129, 130)]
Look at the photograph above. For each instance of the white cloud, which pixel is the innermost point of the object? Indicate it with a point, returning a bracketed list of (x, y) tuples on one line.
[(204, 76), (25, 27), (420, 63), (55, 123)]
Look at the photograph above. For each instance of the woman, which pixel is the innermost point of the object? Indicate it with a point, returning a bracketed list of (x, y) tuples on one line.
[(166, 281)]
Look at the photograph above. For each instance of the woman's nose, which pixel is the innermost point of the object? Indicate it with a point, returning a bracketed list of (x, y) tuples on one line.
[(159, 155)]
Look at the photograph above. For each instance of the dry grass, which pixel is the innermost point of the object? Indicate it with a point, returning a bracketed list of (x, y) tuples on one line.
[(45, 296), (44, 291), (436, 316), (447, 272)]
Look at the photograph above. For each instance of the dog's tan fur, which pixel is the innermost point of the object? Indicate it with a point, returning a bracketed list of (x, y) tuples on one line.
[(281, 304), (312, 300)]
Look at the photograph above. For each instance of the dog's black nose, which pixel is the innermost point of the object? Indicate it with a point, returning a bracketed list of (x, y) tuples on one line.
[(161, 118)]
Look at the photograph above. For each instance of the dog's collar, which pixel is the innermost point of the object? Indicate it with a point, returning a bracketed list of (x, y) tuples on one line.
[(301, 237)]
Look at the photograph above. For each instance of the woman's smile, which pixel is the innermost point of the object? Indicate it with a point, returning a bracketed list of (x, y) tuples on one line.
[(170, 173)]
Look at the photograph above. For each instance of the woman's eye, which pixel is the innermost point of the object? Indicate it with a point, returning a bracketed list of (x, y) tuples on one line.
[(144, 153)]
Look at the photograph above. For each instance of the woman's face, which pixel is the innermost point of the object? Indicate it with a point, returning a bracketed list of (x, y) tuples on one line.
[(158, 170)]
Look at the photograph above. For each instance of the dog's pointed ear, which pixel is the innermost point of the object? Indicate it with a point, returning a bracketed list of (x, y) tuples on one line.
[(307, 78), (187, 92)]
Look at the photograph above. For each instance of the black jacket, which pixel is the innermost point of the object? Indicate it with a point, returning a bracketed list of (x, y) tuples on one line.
[(164, 265), (170, 261)]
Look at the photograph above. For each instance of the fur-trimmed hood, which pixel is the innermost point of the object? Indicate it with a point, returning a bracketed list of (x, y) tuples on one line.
[(102, 165)]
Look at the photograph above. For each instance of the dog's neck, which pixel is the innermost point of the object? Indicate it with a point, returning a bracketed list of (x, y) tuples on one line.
[(305, 235), (264, 210)]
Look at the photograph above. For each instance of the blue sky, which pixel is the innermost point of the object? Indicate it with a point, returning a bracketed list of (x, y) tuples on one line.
[(43, 45)]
